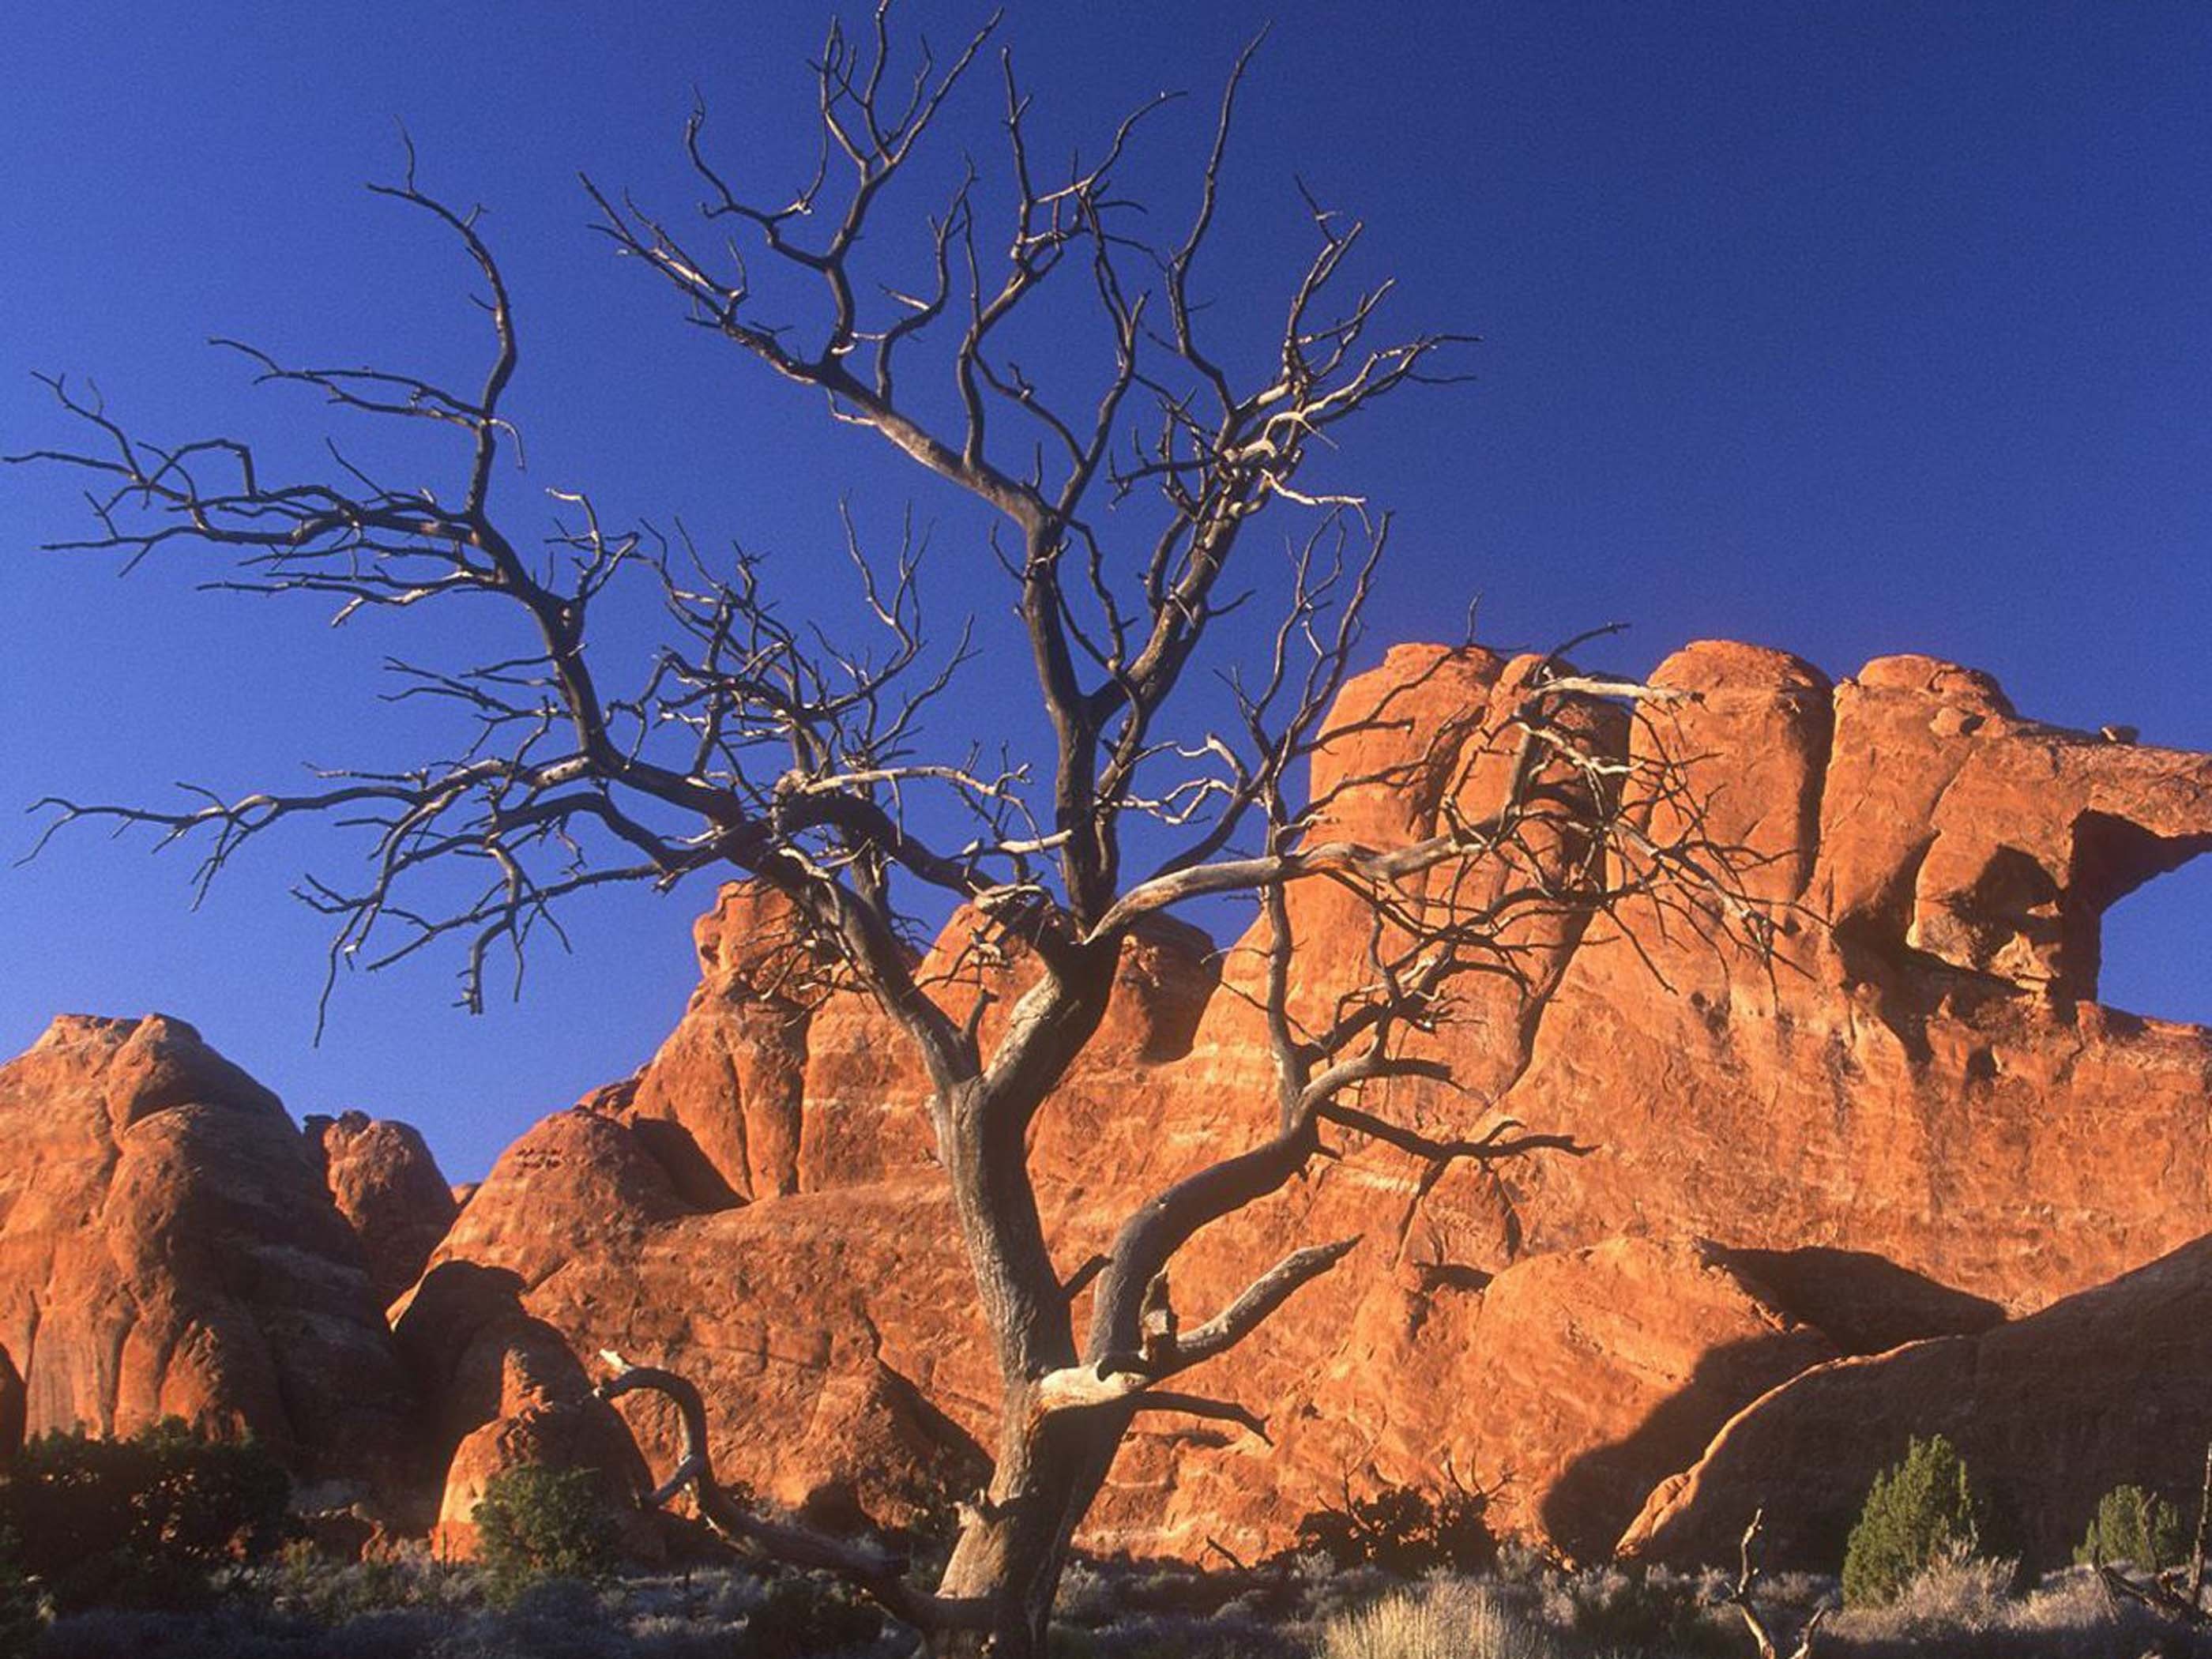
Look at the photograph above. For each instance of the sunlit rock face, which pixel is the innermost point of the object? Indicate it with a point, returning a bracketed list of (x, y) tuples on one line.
[(167, 1248), (380, 1175), (1911, 1123)]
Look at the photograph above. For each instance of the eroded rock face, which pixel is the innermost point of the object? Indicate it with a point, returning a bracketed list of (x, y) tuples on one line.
[(1925, 1079), (387, 1185), (166, 1247), (720, 1102), (509, 1391), (1905, 1125), (1910, 1122), (2049, 1413)]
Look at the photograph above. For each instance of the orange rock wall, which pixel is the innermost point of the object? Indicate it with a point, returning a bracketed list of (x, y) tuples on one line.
[(1910, 1121)]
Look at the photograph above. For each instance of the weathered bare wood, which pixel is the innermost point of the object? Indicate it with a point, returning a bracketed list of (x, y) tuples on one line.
[(747, 742), (881, 1574), (1739, 1597)]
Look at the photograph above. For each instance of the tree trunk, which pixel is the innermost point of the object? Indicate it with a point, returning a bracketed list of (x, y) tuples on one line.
[(1013, 1549)]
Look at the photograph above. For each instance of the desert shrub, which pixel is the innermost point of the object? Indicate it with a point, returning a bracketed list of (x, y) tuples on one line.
[(140, 1522), (535, 1523), (802, 1616), (1638, 1609), (1955, 1597), (224, 1632), (2071, 1615), (1088, 1596), (1920, 1512), (1404, 1530), (2136, 1526), (1178, 1636), (301, 1583), (1442, 1620)]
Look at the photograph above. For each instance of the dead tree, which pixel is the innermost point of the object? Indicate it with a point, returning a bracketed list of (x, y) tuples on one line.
[(748, 744), (2175, 1592), (1739, 1597)]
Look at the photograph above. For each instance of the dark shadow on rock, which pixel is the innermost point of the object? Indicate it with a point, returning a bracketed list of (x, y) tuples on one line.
[(689, 1171), (467, 1340), (2113, 856), (1865, 1302), (15, 1404), (1593, 1501)]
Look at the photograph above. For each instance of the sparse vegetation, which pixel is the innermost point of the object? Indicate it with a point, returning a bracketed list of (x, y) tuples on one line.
[(1448, 1618), (536, 1524), (1920, 1513), (2135, 1527), (142, 1521), (1632, 1608), (1404, 1530), (804, 1615), (413, 1606)]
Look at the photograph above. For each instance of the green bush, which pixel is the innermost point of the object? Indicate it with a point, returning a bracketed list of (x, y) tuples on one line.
[(140, 1522), (2136, 1526), (1919, 1512), (1404, 1531), (535, 1523), (1632, 1608), (803, 1617)]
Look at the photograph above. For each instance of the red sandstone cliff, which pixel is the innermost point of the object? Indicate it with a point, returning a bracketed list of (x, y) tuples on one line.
[(166, 1247), (1912, 1122)]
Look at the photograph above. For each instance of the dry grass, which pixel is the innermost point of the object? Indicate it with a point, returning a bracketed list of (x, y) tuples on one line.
[(1448, 1618)]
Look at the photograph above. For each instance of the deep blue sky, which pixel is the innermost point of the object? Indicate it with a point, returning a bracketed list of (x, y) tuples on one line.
[(1849, 328)]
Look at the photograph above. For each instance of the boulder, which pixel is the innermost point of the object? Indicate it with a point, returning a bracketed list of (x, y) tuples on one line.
[(385, 1182), (2111, 1386), (167, 1249)]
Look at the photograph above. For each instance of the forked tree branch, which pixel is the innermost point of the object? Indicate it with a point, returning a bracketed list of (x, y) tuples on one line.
[(881, 1575), (1739, 1597), (747, 741)]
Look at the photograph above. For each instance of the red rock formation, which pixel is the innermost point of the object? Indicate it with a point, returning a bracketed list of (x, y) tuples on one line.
[(509, 1392), (1927, 1080), (387, 1185), (2049, 1413), (166, 1247), (720, 1103), (1911, 1121), (1903, 1125)]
